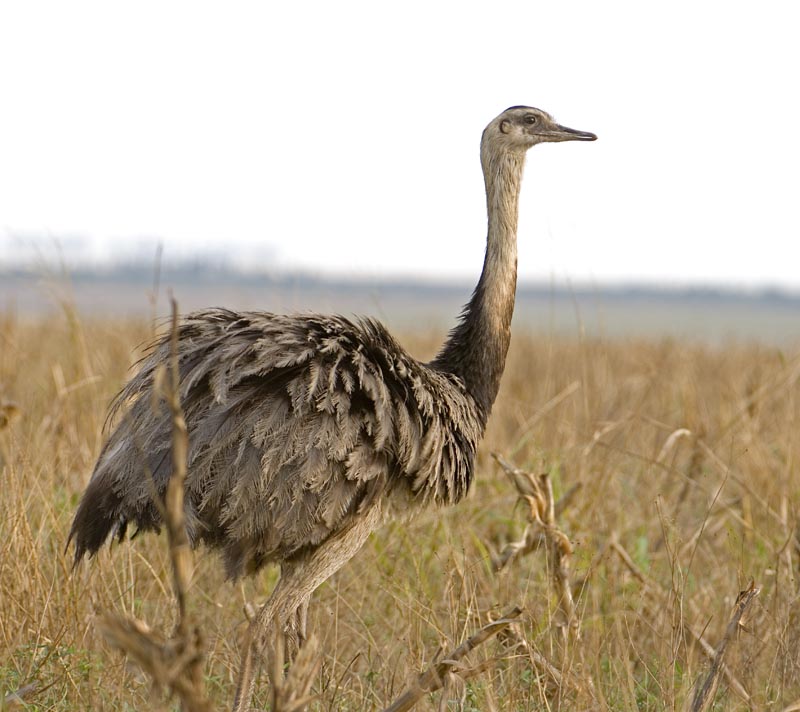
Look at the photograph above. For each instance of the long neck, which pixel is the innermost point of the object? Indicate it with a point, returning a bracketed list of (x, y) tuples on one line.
[(476, 348)]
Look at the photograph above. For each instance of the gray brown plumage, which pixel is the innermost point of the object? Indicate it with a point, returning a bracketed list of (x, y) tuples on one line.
[(295, 423), (307, 431)]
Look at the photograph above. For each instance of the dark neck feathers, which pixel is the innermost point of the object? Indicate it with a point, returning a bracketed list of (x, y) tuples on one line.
[(477, 346)]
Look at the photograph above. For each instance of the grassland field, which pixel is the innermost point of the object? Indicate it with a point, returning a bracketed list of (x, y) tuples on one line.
[(687, 456)]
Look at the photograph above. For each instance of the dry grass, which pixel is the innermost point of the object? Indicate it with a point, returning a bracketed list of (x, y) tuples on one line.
[(688, 458)]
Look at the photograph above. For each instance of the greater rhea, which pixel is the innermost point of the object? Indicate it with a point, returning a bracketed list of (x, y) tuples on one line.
[(307, 432)]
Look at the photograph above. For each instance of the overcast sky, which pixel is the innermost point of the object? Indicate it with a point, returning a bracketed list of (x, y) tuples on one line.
[(343, 136)]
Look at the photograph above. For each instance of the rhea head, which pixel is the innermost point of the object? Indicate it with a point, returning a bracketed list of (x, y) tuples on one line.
[(520, 127)]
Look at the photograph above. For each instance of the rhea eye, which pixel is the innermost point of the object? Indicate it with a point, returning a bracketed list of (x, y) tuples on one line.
[(530, 119)]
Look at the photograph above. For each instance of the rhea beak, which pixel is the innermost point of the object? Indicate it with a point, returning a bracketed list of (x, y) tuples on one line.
[(562, 133)]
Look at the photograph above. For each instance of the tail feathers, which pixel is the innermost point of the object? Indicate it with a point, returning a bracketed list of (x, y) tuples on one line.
[(99, 513)]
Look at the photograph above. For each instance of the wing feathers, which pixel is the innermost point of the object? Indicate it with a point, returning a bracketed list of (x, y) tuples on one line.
[(294, 423)]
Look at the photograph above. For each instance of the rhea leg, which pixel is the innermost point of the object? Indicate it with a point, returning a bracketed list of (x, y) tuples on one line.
[(302, 622), (276, 611), (288, 604), (296, 633)]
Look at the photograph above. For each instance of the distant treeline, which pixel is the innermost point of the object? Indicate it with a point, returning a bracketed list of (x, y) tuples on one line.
[(203, 272)]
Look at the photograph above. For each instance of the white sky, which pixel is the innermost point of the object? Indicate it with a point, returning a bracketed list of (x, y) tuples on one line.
[(343, 136)]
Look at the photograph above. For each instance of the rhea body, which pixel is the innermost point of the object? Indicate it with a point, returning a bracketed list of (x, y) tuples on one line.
[(306, 431)]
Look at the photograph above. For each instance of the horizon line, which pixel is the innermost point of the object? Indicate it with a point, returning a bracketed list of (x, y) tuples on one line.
[(139, 270)]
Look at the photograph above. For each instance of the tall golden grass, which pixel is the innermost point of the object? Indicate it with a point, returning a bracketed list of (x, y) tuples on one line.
[(687, 456)]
